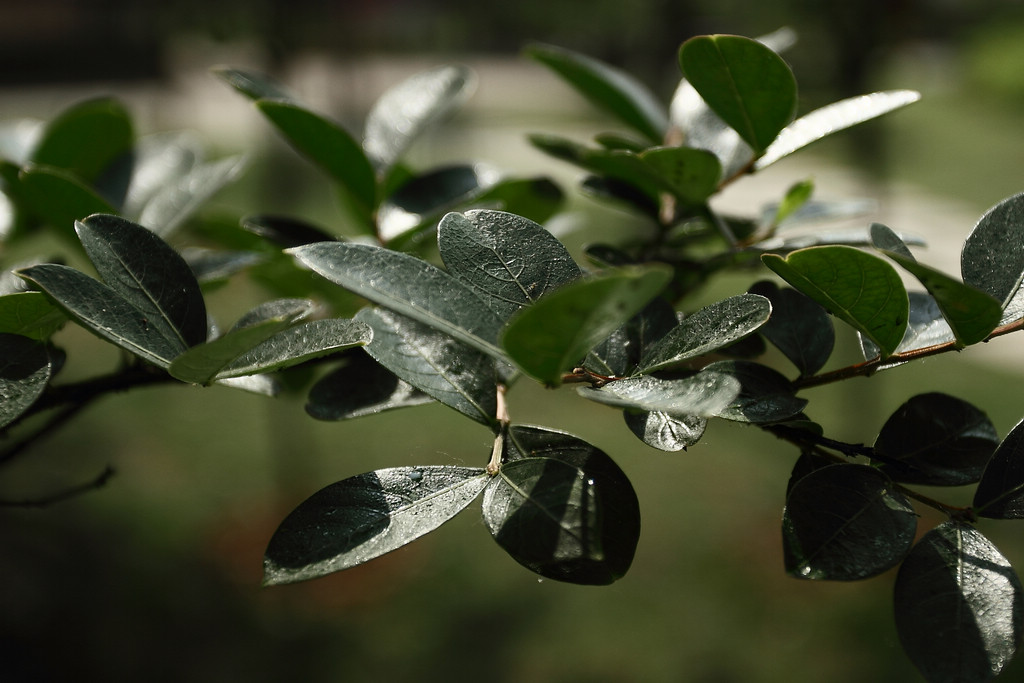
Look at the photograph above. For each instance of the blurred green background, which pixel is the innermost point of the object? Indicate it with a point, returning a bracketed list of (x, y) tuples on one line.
[(156, 576)]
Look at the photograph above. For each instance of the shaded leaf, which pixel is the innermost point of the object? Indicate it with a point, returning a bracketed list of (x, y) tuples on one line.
[(607, 87), (704, 394), (616, 165), (665, 432), (993, 255), (619, 354), (846, 523), (418, 204), (85, 139), (713, 327), (59, 198), (30, 314), (363, 517), (765, 395), (217, 266), (409, 286), (438, 365), (510, 261), (537, 198), (958, 606), (549, 337), (25, 370), (360, 387), (937, 439), (411, 107), (744, 82), (1000, 493), (690, 174), (858, 288), (799, 327), (285, 231), (833, 118)]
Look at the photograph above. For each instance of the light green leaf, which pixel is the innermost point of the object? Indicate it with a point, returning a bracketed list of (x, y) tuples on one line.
[(796, 197), (59, 198), (85, 139), (30, 314), (858, 288), (548, 338), (690, 174)]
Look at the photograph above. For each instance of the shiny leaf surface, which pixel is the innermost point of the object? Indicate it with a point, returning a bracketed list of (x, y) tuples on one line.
[(253, 85), (765, 396), (177, 201), (665, 432), (1000, 493), (993, 255), (418, 204), (25, 370), (704, 394), (298, 344), (360, 387)]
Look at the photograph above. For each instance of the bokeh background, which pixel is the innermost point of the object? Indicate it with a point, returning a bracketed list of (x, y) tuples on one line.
[(156, 576)]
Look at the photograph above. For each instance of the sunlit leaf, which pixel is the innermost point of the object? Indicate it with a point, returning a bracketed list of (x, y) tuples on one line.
[(993, 255), (418, 204), (704, 394), (846, 523), (30, 314), (765, 396), (795, 199), (858, 288), (358, 519), (958, 606), (616, 164), (178, 200), (926, 327), (1000, 493), (666, 432), (25, 370)]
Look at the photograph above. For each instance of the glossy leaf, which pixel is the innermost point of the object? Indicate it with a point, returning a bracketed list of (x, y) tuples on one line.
[(156, 161), (406, 110), (846, 523), (858, 288), (30, 314), (799, 327), (704, 394), (1000, 493), (619, 354), (299, 344), (711, 328), (177, 201), (438, 365), (958, 606), (25, 370), (59, 198), (993, 255), (363, 517), (285, 231), (253, 85), (833, 118), (971, 313), (765, 396), (85, 139), (607, 87), (419, 204), (510, 261), (409, 286), (328, 146), (691, 175), (360, 387), (938, 440), (553, 335), (745, 82), (665, 432)]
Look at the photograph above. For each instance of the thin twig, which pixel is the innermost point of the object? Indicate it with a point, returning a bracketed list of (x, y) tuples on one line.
[(67, 494)]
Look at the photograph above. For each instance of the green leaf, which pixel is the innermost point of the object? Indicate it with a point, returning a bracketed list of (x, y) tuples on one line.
[(711, 328), (438, 365), (328, 146), (615, 165), (926, 327), (253, 85), (744, 82), (846, 523), (704, 394), (1000, 493), (407, 285), (59, 198), (858, 288), (765, 396), (298, 344), (178, 200), (25, 370), (938, 440), (106, 313), (665, 432), (971, 313), (363, 517), (833, 118), (405, 111), (360, 387), (285, 231), (958, 606), (993, 255), (796, 198), (690, 174), (508, 260), (799, 327), (536, 199), (607, 87), (417, 205), (620, 353), (30, 314), (549, 337), (85, 139)]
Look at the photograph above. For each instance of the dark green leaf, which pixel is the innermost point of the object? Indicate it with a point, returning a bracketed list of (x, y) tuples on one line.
[(958, 606), (665, 432), (845, 523), (59, 198), (993, 255), (406, 110), (1000, 493), (799, 327), (615, 91), (704, 394), (744, 82), (30, 314), (360, 387), (253, 85), (438, 365), (409, 286), (151, 275), (418, 204), (937, 439), (358, 519), (25, 370), (285, 231), (619, 354), (537, 199), (858, 288), (833, 118), (176, 201), (85, 139), (765, 396), (549, 337), (711, 328), (215, 266), (690, 174), (702, 128), (328, 146), (510, 261), (617, 165)]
